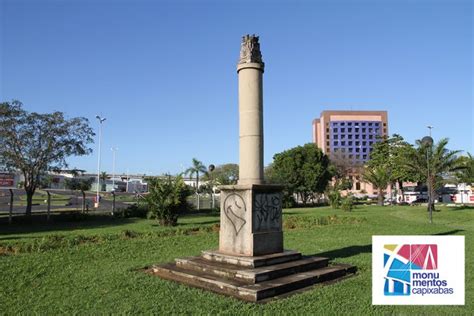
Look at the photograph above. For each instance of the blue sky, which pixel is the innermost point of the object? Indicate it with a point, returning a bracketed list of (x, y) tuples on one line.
[(163, 73)]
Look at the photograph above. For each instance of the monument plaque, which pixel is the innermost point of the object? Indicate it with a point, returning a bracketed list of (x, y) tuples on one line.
[(251, 263)]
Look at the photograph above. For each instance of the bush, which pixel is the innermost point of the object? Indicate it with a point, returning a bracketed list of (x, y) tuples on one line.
[(334, 197), (347, 203), (166, 199), (136, 210)]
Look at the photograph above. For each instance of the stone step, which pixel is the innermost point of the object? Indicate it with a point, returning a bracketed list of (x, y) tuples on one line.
[(252, 262), (252, 275), (252, 292)]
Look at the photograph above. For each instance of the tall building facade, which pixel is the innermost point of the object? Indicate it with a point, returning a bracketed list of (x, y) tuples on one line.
[(349, 135)]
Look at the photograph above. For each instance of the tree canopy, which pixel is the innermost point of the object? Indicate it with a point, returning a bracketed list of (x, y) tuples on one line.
[(436, 159), (35, 143), (224, 174), (303, 169)]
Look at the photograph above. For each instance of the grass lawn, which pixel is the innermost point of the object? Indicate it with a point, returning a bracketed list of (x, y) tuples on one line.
[(40, 198), (91, 266)]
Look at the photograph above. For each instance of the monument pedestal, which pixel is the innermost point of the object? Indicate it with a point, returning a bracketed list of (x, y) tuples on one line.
[(251, 263), (256, 278), (251, 219)]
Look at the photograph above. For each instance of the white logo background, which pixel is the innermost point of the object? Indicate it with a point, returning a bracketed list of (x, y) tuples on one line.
[(450, 268)]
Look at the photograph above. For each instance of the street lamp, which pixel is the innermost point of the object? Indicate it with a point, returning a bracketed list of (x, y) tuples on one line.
[(427, 141), (101, 120), (114, 149), (211, 169)]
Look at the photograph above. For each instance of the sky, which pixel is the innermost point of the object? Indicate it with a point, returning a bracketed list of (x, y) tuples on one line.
[(163, 73)]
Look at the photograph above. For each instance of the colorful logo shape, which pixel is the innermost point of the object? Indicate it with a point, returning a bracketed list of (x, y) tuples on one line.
[(400, 260)]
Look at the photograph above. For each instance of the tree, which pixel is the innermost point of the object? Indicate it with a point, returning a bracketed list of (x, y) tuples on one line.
[(303, 169), (225, 174), (197, 168), (440, 162), (379, 177), (466, 175), (35, 143), (82, 185), (103, 178), (391, 154), (166, 198)]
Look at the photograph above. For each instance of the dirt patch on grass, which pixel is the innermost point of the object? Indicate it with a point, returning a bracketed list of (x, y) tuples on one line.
[(308, 222)]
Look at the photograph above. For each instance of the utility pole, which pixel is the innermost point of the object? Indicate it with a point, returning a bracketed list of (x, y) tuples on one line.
[(114, 150), (101, 120)]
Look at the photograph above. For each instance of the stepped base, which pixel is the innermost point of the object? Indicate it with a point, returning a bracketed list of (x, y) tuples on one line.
[(252, 278)]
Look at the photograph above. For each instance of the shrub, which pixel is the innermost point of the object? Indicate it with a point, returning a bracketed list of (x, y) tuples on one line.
[(347, 203), (334, 197), (135, 210), (166, 199)]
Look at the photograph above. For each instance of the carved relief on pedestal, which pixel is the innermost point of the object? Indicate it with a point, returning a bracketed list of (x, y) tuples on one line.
[(267, 212), (250, 50), (234, 210)]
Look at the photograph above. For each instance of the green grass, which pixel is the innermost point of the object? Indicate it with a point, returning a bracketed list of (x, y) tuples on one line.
[(40, 198), (92, 266)]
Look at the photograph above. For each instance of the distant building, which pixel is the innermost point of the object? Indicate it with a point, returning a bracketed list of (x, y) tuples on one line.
[(349, 135)]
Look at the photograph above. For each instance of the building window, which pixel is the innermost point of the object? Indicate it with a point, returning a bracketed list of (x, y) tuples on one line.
[(327, 143), (357, 185), (327, 136), (371, 136), (363, 124), (334, 130), (364, 157), (350, 150), (327, 130), (364, 130), (343, 143), (370, 124), (349, 136), (385, 130), (336, 136), (342, 124), (357, 143), (370, 130), (357, 156), (343, 150), (343, 130), (364, 143), (357, 136), (357, 149), (363, 136), (336, 143), (349, 124), (350, 143), (364, 150), (349, 130)]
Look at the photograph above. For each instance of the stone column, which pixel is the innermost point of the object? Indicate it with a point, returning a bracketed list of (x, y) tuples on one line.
[(250, 70), (251, 222)]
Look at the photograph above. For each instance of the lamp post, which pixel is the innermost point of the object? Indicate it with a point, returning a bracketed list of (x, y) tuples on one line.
[(211, 169), (427, 141), (114, 150), (101, 120)]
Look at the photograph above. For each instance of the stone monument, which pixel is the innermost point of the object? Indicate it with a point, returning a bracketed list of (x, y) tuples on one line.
[(251, 263)]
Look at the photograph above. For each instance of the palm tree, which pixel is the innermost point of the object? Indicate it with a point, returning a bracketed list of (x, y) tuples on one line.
[(436, 161), (196, 168), (467, 174), (379, 178)]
